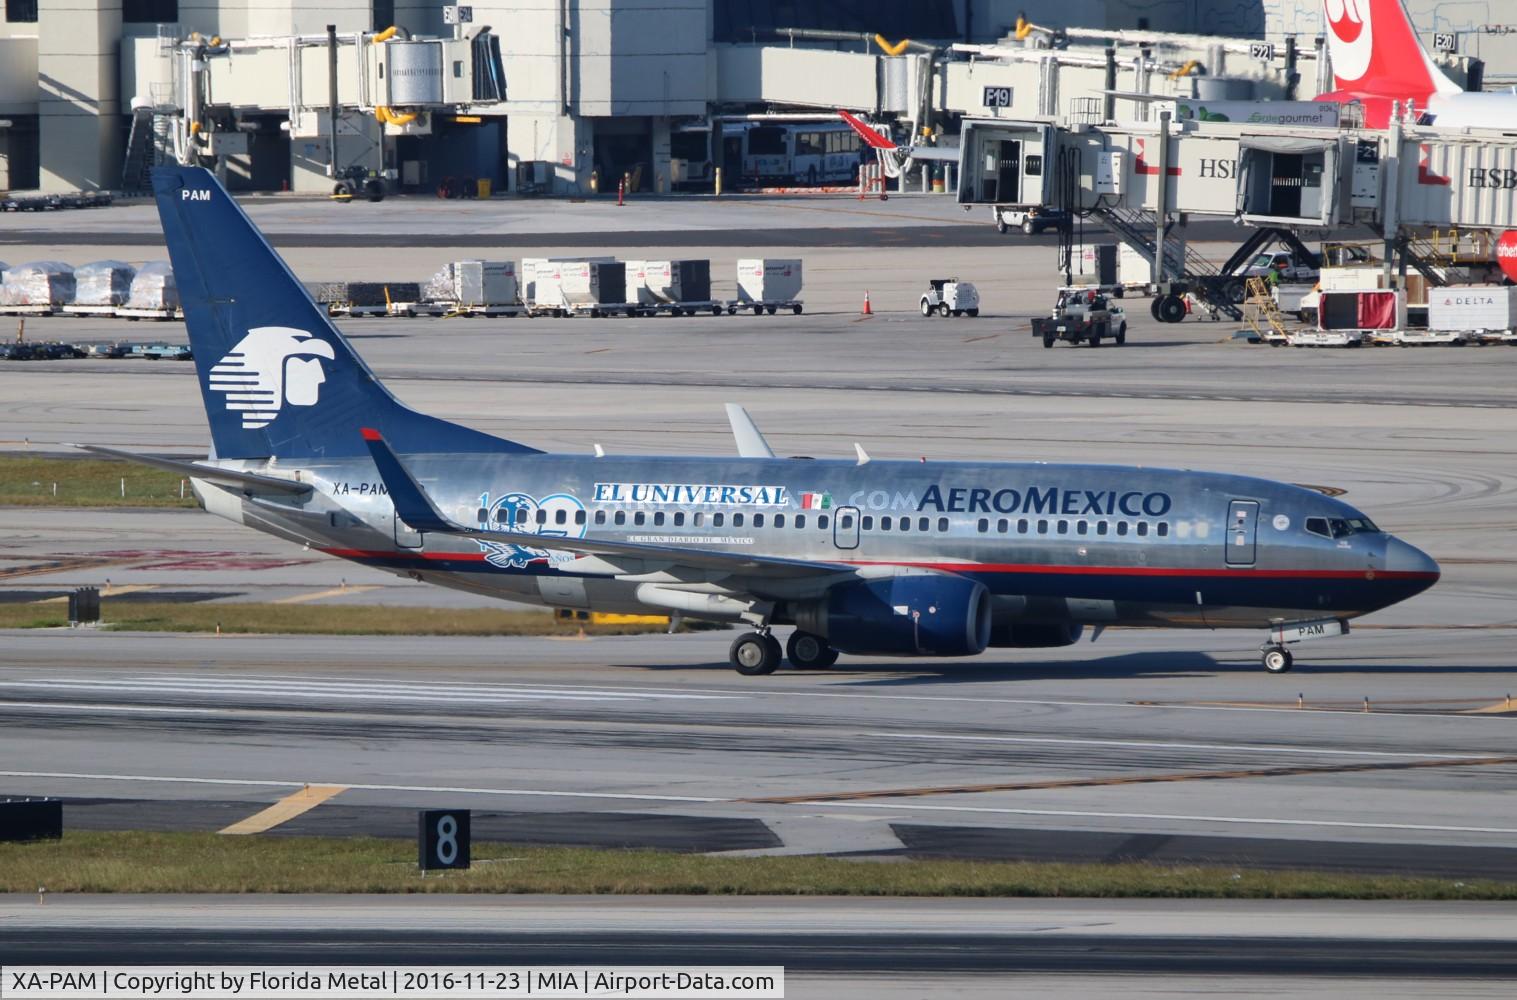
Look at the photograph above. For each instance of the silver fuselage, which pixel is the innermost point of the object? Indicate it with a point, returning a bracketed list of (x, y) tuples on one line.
[(1053, 543)]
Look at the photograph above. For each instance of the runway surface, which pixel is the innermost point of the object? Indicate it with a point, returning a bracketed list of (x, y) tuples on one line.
[(950, 939), (1167, 746)]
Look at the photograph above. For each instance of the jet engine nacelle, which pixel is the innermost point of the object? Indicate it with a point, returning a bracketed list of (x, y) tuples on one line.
[(921, 614), (1024, 636)]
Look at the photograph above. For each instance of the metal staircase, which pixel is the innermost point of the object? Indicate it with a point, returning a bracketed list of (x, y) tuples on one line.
[(1263, 311), (1430, 259), (148, 144), (1183, 271)]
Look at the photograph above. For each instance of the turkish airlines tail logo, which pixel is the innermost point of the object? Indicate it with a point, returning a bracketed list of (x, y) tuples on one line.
[(273, 366)]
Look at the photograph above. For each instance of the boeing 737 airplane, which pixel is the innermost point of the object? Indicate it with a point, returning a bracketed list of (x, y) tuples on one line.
[(1378, 60), (862, 557)]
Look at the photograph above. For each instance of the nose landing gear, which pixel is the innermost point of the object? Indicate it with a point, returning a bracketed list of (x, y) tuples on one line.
[(1277, 659)]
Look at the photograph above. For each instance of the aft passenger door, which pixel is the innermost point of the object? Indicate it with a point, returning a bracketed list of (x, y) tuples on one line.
[(1242, 532), (845, 527)]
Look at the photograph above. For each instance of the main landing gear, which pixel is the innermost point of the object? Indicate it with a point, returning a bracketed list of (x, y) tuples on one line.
[(756, 653)]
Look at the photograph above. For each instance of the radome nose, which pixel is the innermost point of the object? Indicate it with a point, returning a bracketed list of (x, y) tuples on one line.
[(1411, 563)]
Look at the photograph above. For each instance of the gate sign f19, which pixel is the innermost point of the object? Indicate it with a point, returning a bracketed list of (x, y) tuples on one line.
[(997, 97)]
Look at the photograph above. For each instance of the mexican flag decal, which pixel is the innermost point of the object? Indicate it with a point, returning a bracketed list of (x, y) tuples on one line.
[(816, 501)]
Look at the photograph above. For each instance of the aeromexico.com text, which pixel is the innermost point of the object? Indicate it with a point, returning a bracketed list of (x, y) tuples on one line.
[(944, 499)]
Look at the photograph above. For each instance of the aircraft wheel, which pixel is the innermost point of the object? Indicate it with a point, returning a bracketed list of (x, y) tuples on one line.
[(754, 654), (1277, 660), (1153, 307), (1171, 309), (809, 652), (1235, 291)]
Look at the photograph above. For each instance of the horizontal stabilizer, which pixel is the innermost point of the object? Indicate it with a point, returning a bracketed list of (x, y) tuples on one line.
[(250, 481)]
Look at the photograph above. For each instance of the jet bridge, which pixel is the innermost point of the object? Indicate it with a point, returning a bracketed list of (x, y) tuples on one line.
[(1141, 179)]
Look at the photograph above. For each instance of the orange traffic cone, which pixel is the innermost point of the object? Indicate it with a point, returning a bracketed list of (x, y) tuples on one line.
[(867, 311)]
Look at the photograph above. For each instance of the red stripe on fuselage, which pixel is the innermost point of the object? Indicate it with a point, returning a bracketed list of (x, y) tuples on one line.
[(1026, 568)]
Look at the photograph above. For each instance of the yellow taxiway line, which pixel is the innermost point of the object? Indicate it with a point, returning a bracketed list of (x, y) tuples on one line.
[(317, 595), (285, 809)]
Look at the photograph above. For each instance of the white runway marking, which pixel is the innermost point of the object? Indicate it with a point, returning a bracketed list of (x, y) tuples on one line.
[(902, 806), (95, 707), (1146, 745), (368, 691), (1247, 820), (277, 783)]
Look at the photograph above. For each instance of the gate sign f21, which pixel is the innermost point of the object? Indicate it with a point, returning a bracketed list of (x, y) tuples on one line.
[(997, 97)]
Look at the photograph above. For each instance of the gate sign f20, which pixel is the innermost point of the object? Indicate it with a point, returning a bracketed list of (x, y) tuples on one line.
[(442, 839), (997, 97)]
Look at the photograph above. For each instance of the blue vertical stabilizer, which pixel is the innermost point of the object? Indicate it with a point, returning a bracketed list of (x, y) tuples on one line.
[(277, 377)]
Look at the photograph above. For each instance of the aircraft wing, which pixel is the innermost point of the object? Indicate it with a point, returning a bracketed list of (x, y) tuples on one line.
[(194, 470), (416, 509)]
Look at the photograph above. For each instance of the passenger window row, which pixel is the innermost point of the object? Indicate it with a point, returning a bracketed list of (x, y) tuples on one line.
[(899, 524), (700, 519), (1061, 526)]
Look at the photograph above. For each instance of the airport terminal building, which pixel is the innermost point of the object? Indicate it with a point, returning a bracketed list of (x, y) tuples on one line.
[(562, 96)]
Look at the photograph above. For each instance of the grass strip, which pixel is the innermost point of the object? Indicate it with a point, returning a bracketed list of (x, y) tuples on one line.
[(50, 481), (208, 863), (312, 619)]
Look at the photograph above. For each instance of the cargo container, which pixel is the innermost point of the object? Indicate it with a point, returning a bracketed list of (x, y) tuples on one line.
[(153, 294), (100, 287), (767, 284), (548, 295), (674, 283), (1472, 307), (40, 287)]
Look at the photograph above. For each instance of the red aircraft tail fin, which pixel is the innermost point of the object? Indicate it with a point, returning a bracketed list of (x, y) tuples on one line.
[(1376, 51)]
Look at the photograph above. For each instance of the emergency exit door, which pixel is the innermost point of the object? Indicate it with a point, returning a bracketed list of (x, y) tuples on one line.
[(1242, 532)]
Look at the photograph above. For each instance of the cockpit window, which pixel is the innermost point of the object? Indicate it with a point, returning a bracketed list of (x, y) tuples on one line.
[(1340, 527)]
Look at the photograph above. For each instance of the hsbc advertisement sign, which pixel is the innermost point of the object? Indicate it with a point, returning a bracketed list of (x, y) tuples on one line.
[(1202, 171)]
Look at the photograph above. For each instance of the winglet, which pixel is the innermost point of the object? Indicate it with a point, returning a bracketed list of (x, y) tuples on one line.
[(871, 138), (750, 443), (412, 505)]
